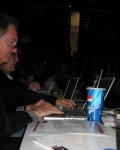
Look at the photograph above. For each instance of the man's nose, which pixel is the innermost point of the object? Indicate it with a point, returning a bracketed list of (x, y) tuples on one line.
[(14, 50)]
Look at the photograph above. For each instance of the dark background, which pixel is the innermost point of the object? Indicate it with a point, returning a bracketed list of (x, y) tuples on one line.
[(44, 30)]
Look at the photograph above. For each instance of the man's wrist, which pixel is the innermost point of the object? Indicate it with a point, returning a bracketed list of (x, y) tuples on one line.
[(32, 114), (23, 108)]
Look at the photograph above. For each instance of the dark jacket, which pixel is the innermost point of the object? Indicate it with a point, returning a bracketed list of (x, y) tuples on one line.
[(16, 92), (11, 122), (12, 94)]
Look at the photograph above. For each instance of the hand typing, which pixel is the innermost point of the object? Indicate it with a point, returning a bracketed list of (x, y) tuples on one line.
[(34, 86), (42, 108), (67, 103)]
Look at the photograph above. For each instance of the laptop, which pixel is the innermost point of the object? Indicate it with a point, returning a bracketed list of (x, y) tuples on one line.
[(106, 83), (70, 90), (69, 114), (47, 92), (79, 114)]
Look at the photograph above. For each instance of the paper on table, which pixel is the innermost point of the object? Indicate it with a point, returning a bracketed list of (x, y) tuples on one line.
[(46, 142), (67, 127)]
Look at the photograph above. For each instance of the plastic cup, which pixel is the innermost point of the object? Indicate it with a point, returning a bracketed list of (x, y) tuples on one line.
[(95, 100)]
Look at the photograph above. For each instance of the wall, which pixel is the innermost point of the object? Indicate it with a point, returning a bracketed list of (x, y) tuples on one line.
[(75, 19)]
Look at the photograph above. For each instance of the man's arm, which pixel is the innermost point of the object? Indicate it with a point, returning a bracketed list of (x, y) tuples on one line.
[(11, 122)]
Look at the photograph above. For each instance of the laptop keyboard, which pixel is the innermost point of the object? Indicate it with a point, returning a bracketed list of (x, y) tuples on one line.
[(69, 114), (74, 113)]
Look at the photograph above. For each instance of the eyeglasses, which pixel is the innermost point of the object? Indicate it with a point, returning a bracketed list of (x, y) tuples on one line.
[(14, 46)]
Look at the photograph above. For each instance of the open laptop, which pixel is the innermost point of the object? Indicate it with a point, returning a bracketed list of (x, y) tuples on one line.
[(47, 92), (106, 83), (71, 90), (79, 114)]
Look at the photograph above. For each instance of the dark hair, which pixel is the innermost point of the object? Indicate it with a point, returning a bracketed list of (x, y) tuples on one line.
[(5, 20)]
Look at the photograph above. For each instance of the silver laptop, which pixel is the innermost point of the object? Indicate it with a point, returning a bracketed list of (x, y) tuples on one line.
[(79, 114), (47, 92), (106, 83), (69, 114), (71, 88)]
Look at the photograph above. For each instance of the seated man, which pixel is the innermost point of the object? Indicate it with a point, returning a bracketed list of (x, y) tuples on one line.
[(11, 120), (8, 68)]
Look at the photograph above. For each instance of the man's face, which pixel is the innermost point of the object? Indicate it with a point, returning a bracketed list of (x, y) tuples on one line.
[(5, 47), (10, 66)]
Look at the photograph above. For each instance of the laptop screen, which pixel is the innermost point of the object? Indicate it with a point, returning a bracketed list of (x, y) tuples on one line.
[(107, 84), (69, 92)]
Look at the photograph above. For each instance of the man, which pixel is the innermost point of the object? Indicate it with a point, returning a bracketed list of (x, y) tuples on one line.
[(19, 93), (11, 122)]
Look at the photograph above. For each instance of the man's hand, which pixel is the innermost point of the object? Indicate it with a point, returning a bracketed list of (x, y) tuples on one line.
[(34, 106), (34, 86), (42, 108), (67, 103)]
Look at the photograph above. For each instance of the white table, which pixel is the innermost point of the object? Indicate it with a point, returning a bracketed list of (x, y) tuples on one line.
[(74, 141)]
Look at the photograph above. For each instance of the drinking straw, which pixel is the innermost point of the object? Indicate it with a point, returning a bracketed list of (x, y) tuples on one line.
[(93, 86), (95, 81), (99, 78)]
